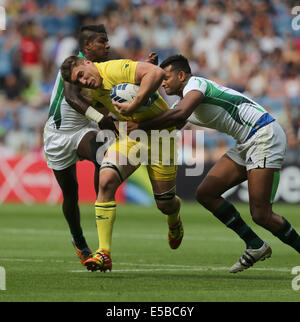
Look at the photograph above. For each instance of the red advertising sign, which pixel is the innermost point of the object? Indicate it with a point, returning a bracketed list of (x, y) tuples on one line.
[(27, 179)]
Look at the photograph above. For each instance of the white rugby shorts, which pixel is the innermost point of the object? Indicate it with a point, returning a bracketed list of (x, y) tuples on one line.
[(60, 147), (265, 149)]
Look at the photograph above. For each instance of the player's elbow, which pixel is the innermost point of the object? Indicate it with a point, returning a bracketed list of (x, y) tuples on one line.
[(180, 125), (69, 100), (180, 117), (158, 75), (73, 102), (70, 96), (71, 93)]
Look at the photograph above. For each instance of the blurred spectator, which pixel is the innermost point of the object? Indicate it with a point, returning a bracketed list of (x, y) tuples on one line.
[(30, 51), (6, 122), (292, 82), (66, 47), (8, 49), (5, 150), (220, 149), (12, 87), (293, 148)]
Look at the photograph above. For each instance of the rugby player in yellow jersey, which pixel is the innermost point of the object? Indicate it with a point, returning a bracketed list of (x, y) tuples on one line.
[(100, 78)]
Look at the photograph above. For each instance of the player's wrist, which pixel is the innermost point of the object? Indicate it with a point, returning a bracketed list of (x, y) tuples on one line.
[(140, 126), (93, 114), (138, 101)]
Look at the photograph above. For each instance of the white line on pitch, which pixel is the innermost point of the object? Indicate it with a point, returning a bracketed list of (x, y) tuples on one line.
[(161, 267), (117, 235), (120, 235), (191, 269)]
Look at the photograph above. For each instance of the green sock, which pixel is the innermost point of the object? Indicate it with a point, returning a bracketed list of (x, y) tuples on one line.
[(288, 235), (229, 216)]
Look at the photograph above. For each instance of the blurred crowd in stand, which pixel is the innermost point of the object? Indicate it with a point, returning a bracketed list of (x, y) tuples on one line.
[(248, 45)]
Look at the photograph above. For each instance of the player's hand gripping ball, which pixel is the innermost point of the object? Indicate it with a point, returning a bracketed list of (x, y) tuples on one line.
[(126, 93)]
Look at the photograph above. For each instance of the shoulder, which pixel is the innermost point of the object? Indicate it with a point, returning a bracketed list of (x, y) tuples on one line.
[(195, 83), (118, 65), (115, 62)]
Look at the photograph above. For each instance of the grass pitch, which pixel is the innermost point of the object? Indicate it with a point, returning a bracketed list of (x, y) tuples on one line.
[(41, 265)]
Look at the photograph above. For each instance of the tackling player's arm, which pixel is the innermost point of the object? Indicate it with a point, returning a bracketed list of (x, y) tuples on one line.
[(174, 117), (84, 105), (149, 78), (75, 99)]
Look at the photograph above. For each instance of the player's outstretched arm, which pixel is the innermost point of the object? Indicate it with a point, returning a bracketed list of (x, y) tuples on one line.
[(176, 116), (83, 105)]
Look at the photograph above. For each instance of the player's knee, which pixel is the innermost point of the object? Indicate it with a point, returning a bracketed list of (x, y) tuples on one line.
[(260, 215), (202, 196), (199, 195), (108, 182), (162, 207), (259, 219), (168, 207), (167, 202)]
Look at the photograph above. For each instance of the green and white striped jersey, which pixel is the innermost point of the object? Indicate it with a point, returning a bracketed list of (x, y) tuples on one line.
[(61, 115), (224, 109)]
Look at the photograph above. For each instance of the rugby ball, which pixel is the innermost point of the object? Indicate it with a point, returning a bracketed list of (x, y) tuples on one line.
[(126, 93)]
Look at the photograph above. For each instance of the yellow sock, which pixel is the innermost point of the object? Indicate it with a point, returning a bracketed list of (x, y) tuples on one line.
[(173, 218), (105, 217)]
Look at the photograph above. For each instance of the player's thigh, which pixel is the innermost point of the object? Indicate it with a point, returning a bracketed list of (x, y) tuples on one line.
[(224, 175), (87, 148), (117, 158), (114, 169), (260, 186), (117, 162)]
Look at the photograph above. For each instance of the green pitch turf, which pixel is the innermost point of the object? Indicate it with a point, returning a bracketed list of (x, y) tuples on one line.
[(41, 265)]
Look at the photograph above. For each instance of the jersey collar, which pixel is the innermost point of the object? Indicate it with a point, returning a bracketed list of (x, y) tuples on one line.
[(80, 54)]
